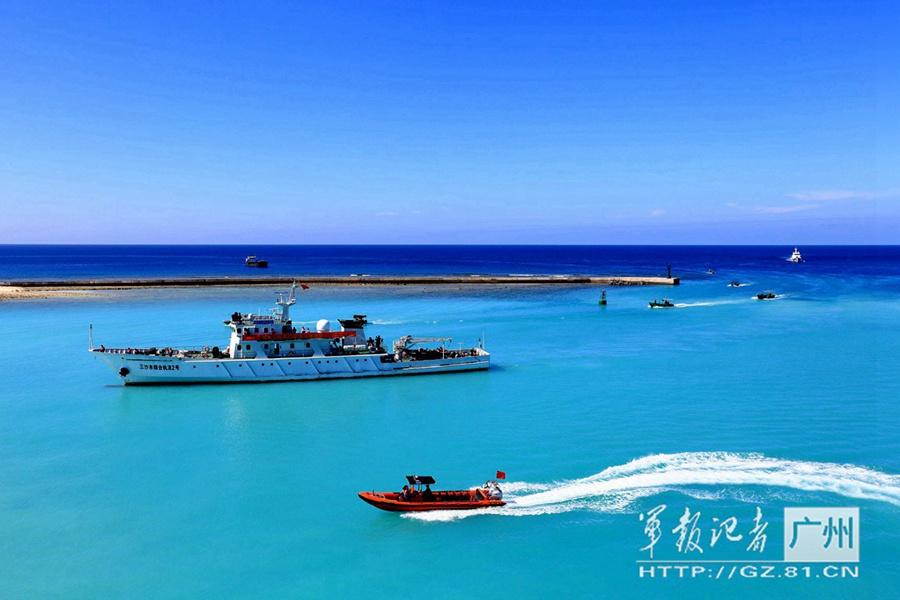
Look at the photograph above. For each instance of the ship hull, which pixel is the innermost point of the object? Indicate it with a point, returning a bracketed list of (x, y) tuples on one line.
[(388, 501), (171, 370)]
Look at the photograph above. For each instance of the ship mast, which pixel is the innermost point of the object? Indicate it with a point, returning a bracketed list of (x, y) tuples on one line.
[(286, 303)]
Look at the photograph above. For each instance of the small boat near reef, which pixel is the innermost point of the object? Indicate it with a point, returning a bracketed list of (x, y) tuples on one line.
[(259, 263), (767, 295), (710, 271), (734, 283), (664, 303), (418, 496), (796, 257)]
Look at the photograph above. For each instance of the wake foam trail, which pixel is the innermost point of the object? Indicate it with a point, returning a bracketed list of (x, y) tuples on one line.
[(710, 303), (615, 488)]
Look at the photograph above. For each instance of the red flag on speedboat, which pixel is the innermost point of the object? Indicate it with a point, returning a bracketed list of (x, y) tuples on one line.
[(303, 286), (501, 474)]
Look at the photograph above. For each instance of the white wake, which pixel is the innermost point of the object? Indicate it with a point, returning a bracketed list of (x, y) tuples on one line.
[(615, 488), (707, 303)]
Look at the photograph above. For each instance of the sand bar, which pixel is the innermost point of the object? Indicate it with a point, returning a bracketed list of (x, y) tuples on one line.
[(59, 285), (83, 288)]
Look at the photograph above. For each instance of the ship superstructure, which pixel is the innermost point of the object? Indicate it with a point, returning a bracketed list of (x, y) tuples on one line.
[(272, 348)]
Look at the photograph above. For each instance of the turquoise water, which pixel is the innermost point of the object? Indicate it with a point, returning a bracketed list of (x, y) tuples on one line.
[(251, 490)]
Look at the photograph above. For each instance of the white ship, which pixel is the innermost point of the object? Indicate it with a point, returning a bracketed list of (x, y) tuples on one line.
[(267, 348), (796, 257)]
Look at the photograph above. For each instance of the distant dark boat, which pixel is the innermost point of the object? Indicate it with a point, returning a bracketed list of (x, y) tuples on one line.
[(734, 283), (710, 271), (767, 295), (252, 261), (664, 303)]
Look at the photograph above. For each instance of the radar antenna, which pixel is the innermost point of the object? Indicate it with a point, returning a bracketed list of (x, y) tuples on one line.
[(286, 303)]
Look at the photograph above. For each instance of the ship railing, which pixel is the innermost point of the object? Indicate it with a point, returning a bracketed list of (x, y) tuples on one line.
[(154, 351), (414, 354), (300, 335)]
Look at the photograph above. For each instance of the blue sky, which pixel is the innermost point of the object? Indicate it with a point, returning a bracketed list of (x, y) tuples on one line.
[(456, 122)]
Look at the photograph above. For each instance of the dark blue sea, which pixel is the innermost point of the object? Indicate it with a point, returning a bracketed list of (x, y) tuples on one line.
[(62, 262)]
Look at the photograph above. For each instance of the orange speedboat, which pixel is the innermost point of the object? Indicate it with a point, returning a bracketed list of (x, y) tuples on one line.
[(418, 496)]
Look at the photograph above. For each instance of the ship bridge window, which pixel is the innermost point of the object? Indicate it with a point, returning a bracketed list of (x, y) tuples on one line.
[(247, 346), (292, 345), (266, 346), (265, 330), (239, 330), (307, 344)]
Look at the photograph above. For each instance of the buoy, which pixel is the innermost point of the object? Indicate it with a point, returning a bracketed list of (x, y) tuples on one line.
[(603, 298)]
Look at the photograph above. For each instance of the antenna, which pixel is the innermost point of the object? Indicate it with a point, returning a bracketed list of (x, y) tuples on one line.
[(90, 337), (285, 304)]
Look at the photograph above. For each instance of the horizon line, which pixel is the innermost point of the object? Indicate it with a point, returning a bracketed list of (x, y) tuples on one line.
[(772, 245)]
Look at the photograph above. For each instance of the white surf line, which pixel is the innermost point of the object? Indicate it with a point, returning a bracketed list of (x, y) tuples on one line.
[(615, 488)]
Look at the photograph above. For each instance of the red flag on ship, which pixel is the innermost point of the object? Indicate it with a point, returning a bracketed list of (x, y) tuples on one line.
[(501, 474), (303, 286)]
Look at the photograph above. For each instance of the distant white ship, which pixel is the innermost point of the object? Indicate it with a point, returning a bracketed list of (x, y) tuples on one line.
[(271, 348), (796, 257)]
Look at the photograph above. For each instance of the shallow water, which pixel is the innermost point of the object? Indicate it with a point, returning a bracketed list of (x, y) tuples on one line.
[(596, 414)]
